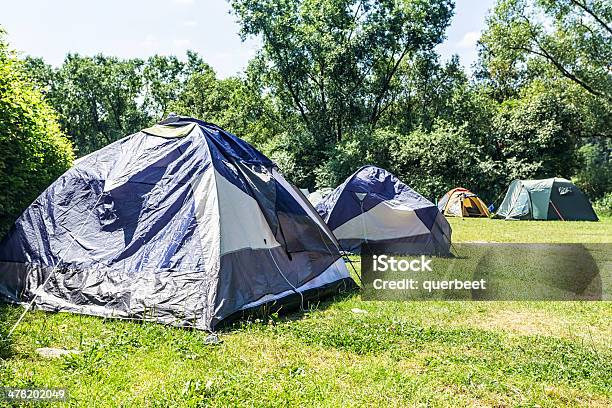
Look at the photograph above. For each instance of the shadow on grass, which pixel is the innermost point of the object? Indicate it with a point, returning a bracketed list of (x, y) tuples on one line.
[(288, 311)]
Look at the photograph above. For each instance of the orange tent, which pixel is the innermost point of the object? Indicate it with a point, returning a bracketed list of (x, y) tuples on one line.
[(461, 202)]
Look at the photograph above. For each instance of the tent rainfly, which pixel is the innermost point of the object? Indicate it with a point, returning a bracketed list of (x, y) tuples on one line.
[(461, 202), (319, 195), (182, 223), (373, 206), (548, 199)]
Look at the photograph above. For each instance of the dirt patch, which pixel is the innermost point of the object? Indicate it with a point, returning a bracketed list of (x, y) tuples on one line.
[(532, 323)]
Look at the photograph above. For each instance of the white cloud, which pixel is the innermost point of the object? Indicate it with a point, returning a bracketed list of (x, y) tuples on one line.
[(184, 1), (469, 40), (190, 23)]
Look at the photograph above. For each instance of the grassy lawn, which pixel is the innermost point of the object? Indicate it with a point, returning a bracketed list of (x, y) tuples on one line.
[(486, 230), (345, 352)]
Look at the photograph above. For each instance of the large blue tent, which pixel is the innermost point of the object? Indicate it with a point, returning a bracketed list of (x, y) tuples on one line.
[(373, 206), (182, 223)]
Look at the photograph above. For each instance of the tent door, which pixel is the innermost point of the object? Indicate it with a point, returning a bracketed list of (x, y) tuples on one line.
[(471, 208), (520, 204), (540, 199)]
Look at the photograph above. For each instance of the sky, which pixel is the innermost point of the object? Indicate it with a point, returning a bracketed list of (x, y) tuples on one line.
[(141, 28)]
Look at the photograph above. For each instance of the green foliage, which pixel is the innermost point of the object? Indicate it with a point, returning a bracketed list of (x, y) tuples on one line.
[(357, 150), (428, 91), (335, 64), (232, 103), (101, 99), (434, 162), (603, 206), (540, 129), (96, 99), (569, 39), (343, 83), (33, 150), (547, 62), (164, 80), (296, 154), (594, 174)]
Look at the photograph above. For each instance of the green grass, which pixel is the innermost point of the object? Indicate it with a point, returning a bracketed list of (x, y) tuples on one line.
[(490, 230), (390, 354)]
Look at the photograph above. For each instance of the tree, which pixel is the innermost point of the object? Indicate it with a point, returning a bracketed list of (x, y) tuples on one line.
[(436, 161), (97, 99), (548, 63), (541, 130), (594, 174), (234, 104), (164, 79), (33, 150), (429, 91), (334, 62), (361, 149), (101, 99), (570, 39)]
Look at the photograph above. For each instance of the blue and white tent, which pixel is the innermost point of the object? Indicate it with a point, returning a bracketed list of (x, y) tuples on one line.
[(373, 206), (182, 223)]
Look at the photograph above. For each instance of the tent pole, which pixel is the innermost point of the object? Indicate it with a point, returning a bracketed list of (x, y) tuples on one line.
[(347, 259), (497, 199), (365, 229), (556, 210)]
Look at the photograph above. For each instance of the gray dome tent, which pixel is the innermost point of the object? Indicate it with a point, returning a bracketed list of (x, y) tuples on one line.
[(374, 207), (319, 195), (182, 223), (547, 199)]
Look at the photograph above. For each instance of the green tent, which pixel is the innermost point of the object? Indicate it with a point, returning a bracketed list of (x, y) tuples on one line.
[(548, 199)]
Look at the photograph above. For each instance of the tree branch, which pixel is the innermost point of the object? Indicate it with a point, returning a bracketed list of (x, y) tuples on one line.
[(592, 14), (564, 71), (375, 116), (292, 91)]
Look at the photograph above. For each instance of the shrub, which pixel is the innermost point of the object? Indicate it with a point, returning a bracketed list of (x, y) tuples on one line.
[(594, 175), (603, 206), (434, 162), (356, 150), (538, 129), (33, 150)]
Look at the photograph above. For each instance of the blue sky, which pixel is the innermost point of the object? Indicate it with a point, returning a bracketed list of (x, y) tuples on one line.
[(140, 28)]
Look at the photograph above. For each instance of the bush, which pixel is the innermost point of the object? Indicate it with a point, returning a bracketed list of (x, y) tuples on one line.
[(33, 150), (538, 129), (434, 162), (603, 206), (594, 175), (354, 151), (296, 154), (430, 162)]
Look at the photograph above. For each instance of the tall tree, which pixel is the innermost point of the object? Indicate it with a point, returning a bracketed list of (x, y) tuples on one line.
[(101, 99), (571, 38), (97, 98), (233, 103), (164, 78), (334, 61)]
